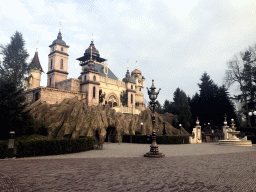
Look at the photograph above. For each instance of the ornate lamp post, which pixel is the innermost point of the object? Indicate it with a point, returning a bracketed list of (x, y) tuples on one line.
[(153, 147), (141, 127)]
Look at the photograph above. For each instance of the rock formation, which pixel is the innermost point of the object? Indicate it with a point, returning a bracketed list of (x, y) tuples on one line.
[(74, 118)]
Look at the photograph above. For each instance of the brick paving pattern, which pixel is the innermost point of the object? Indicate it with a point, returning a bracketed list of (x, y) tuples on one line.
[(185, 168)]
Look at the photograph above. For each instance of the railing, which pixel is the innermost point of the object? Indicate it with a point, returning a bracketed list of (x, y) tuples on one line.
[(130, 110), (112, 81)]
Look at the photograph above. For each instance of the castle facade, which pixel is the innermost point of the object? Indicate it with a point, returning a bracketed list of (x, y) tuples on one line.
[(96, 84)]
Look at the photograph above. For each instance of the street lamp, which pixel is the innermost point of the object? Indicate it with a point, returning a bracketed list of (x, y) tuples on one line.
[(153, 147), (180, 128), (141, 127), (250, 114)]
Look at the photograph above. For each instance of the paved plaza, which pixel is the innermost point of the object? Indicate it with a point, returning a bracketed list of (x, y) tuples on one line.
[(122, 167)]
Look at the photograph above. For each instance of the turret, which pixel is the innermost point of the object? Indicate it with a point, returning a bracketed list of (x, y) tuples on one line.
[(58, 61), (35, 70), (139, 79)]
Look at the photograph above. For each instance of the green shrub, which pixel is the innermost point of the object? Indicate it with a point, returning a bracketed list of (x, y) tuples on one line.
[(53, 147), (3, 149)]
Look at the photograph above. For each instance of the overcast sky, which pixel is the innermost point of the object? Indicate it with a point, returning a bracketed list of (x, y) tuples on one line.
[(174, 42)]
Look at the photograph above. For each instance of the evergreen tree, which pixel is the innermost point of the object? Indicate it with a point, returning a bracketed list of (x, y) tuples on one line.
[(101, 96), (159, 108), (166, 106), (213, 102), (12, 99), (14, 66), (208, 99), (124, 98), (181, 107)]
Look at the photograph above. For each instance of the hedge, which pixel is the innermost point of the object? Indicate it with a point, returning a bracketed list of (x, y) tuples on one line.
[(3, 149), (159, 139), (48, 147)]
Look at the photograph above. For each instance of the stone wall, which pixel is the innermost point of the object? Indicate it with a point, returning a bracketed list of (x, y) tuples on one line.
[(52, 95), (69, 85)]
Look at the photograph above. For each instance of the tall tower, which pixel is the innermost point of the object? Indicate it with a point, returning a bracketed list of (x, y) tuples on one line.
[(90, 80), (130, 89), (58, 62), (34, 78), (139, 79)]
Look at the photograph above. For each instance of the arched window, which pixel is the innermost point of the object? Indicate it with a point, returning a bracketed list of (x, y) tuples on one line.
[(94, 78), (61, 48), (61, 63), (94, 92), (131, 86), (52, 48), (51, 63), (50, 81), (131, 98)]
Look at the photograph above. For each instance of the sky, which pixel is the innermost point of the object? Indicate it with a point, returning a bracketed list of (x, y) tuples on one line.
[(173, 42)]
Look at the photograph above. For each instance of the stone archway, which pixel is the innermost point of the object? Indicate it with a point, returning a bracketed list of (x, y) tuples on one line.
[(112, 100), (111, 135)]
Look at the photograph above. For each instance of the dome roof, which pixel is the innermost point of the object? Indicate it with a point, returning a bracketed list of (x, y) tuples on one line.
[(136, 71), (93, 48), (59, 40)]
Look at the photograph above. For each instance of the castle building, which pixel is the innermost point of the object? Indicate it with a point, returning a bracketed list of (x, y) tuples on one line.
[(96, 80)]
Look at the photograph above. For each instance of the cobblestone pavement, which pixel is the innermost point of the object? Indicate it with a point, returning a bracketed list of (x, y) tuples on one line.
[(198, 167)]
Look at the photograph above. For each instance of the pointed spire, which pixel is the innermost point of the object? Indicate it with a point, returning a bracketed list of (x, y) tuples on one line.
[(36, 45), (128, 64), (35, 64)]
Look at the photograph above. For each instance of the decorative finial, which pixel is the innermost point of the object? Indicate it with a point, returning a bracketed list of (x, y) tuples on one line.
[(197, 121), (36, 45), (225, 121), (127, 64), (60, 26)]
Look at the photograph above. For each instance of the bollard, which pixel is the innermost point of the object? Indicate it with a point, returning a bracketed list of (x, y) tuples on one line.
[(11, 145)]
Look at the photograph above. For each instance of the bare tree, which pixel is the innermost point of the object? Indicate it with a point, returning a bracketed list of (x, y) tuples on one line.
[(237, 73)]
